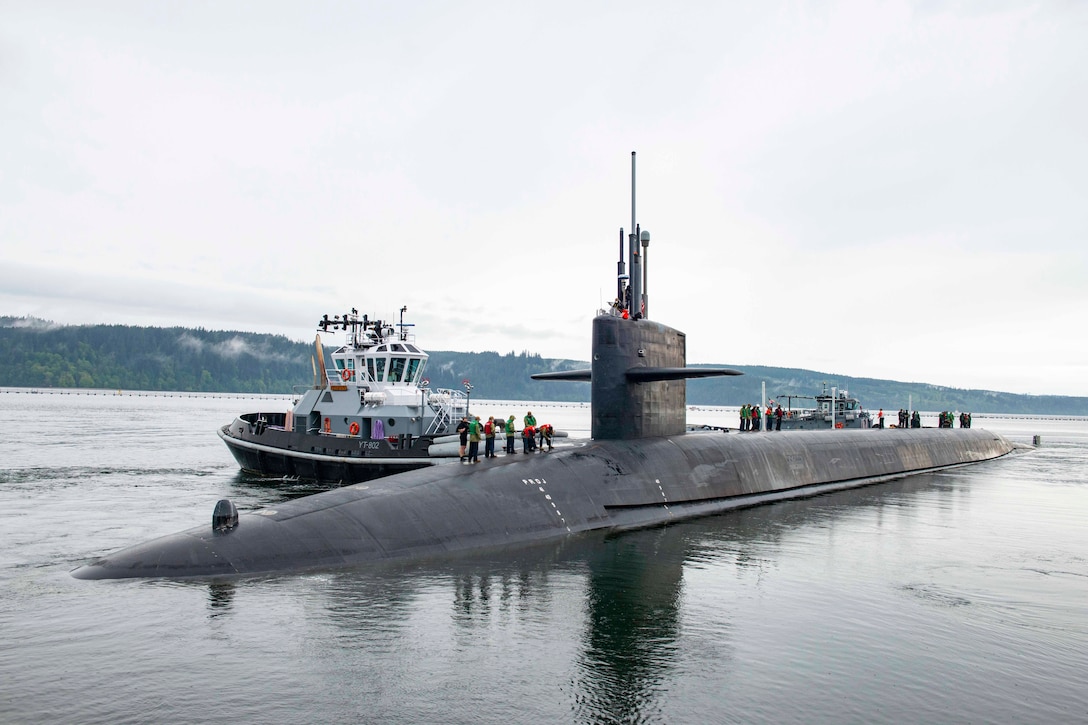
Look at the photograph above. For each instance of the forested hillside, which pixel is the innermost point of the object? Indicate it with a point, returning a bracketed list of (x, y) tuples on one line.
[(38, 354), (35, 353), (148, 358)]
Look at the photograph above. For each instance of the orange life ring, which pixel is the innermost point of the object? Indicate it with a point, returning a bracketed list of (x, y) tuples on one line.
[(328, 426), (346, 374), (353, 429)]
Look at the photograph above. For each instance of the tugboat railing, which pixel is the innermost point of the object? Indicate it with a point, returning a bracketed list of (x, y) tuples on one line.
[(445, 403)]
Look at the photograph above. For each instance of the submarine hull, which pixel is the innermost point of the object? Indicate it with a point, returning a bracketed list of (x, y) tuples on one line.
[(607, 484)]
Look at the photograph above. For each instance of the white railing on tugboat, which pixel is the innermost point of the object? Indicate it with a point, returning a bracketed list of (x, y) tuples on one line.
[(446, 404)]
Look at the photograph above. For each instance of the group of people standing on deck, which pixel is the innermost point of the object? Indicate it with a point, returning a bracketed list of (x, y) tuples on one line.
[(472, 431), (945, 419), (908, 419), (751, 418)]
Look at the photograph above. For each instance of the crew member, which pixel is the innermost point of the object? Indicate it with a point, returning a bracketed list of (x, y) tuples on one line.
[(489, 437), (462, 431), (510, 431), (474, 430)]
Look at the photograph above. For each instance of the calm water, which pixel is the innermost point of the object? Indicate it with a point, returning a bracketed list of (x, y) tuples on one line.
[(953, 597)]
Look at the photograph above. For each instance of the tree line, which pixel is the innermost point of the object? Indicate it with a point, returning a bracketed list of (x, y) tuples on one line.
[(37, 354)]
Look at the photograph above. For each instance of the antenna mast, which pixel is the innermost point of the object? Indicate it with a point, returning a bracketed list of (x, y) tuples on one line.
[(636, 259)]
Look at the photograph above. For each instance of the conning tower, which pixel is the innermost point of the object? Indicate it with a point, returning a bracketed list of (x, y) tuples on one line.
[(639, 367)]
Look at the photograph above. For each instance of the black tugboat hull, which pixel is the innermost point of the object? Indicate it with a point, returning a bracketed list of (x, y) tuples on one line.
[(272, 452)]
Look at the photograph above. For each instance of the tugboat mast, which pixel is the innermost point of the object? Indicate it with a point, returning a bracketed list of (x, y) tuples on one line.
[(403, 325)]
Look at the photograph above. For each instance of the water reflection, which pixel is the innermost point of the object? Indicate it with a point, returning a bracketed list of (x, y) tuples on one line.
[(475, 595), (631, 624), (220, 598)]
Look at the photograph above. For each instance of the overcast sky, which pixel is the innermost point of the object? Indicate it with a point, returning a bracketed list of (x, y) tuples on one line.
[(891, 190)]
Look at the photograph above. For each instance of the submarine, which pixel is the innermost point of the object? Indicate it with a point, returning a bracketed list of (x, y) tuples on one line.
[(640, 468)]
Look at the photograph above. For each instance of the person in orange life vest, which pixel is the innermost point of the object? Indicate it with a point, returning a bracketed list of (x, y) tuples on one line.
[(530, 423), (489, 437), (545, 432)]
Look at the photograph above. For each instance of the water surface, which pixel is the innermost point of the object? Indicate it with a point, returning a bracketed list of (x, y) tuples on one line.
[(959, 596)]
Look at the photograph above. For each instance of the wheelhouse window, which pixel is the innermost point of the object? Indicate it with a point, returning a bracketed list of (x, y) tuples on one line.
[(396, 369)]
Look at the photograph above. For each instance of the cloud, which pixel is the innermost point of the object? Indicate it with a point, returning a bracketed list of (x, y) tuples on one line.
[(878, 189)]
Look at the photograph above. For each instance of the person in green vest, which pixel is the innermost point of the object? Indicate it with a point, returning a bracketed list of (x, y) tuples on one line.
[(474, 430), (510, 431)]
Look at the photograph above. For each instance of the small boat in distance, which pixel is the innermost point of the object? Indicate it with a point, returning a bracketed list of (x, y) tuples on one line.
[(371, 413), (834, 409)]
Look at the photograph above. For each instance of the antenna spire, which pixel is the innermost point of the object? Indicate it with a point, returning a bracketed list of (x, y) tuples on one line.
[(633, 251)]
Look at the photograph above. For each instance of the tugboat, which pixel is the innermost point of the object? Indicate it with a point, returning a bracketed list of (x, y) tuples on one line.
[(834, 409), (370, 414)]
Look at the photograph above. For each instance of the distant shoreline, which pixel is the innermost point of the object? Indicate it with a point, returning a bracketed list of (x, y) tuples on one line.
[(481, 401)]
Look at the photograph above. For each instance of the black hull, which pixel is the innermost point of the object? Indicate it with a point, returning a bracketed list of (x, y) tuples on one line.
[(271, 452), (603, 485)]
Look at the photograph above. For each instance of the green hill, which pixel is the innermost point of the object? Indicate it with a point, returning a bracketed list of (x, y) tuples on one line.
[(38, 354)]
